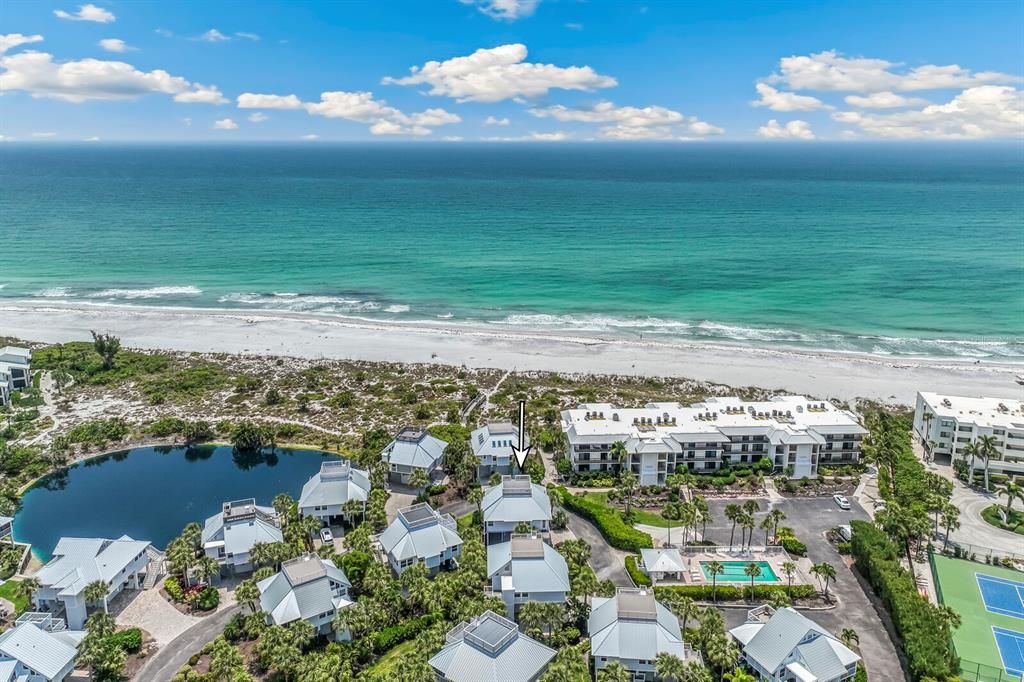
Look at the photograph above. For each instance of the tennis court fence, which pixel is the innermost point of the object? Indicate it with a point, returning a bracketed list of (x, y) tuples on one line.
[(972, 671)]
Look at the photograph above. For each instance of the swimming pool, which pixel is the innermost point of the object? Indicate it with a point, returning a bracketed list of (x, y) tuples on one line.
[(734, 572)]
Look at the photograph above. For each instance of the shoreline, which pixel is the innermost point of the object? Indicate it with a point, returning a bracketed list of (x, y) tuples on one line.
[(824, 374)]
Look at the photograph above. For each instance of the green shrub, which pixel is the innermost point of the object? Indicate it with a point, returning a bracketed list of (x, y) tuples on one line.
[(129, 641), (165, 426), (638, 576), (396, 634), (174, 588), (789, 541), (609, 521), (925, 635), (208, 599), (99, 431), (734, 592)]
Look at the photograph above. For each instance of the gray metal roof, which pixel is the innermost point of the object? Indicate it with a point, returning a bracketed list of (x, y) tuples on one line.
[(41, 651), (419, 531), (415, 448), (783, 632), (303, 589), (822, 659), (240, 526), (336, 483), (662, 560), (490, 648), (633, 625), (516, 499), (495, 439), (535, 565), (77, 562)]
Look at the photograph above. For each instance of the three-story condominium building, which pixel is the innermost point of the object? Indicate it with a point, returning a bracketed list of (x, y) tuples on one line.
[(413, 448), (632, 628), (793, 433), (514, 501), (420, 533), (228, 535), (307, 588), (15, 371), (947, 424), (493, 446), (327, 493), (490, 648), (527, 569)]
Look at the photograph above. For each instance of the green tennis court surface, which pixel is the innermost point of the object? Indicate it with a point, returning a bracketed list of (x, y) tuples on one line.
[(990, 601)]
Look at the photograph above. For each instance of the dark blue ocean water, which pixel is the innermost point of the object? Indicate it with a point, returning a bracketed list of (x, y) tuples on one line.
[(900, 249)]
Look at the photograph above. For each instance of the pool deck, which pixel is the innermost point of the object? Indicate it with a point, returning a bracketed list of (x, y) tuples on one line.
[(775, 557)]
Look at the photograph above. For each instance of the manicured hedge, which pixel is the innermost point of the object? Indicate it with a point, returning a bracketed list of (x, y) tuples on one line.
[(926, 636), (129, 641), (790, 542), (613, 527), (396, 634), (735, 592), (638, 576)]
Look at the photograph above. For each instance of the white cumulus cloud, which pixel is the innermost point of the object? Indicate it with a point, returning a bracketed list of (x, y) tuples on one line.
[(311, 137), (786, 101), (12, 40), (89, 12), (793, 130), (362, 107), (504, 10), (493, 121), (250, 100), (201, 94), (631, 123), (883, 100), (258, 117), (115, 45), (225, 124), (248, 36), (499, 73), (213, 36)]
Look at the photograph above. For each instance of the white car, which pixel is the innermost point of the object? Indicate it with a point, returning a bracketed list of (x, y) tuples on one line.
[(325, 536), (841, 501)]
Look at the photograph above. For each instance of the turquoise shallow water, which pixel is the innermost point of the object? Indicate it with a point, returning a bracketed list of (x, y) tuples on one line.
[(905, 250)]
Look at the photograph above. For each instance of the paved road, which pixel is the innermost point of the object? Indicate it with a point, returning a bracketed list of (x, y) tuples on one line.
[(608, 563), (169, 660), (974, 530), (810, 518)]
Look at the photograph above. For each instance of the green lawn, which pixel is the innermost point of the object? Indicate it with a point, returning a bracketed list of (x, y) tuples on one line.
[(1015, 523), (385, 665), (639, 515), (7, 592), (958, 587)]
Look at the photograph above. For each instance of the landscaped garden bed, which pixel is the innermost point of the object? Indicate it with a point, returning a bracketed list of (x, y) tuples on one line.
[(189, 599), (995, 515), (823, 486)]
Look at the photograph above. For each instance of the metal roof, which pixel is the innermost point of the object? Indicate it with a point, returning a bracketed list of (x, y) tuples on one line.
[(626, 626), (77, 562), (336, 483), (41, 651), (788, 632), (535, 566), (667, 560), (495, 439), (414, 448), (490, 648), (240, 526), (419, 531), (516, 499), (303, 589)]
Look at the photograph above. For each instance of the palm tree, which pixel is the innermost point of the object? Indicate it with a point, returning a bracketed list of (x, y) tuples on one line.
[(311, 525), (613, 672), (950, 522), (703, 513), (284, 505), (971, 450), (988, 451), (248, 593), (849, 637), (1013, 491), (351, 509), (927, 418), (685, 608), (739, 675), (825, 573), (715, 568), (26, 588), (753, 570), (619, 453), (777, 516), (747, 522), (96, 592), (476, 496), (733, 512), (418, 478), (949, 616), (766, 526), (789, 568), (672, 511), (207, 567), (669, 668), (628, 485)]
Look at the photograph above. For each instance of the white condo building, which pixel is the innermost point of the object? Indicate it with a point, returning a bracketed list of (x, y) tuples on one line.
[(946, 424), (795, 433), (15, 371)]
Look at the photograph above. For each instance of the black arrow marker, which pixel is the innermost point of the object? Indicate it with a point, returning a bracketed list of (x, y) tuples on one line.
[(523, 450)]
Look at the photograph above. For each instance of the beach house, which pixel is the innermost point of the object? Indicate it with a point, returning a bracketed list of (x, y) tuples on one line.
[(632, 628), (38, 648), (228, 535), (662, 564), (307, 588), (15, 371), (122, 564), (490, 648), (794, 434), (527, 569), (781, 645), (947, 424), (493, 446), (326, 494), (516, 500), (413, 448), (419, 533)]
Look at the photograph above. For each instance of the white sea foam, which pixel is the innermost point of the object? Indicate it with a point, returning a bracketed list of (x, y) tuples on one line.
[(55, 292), (301, 302), (151, 292), (397, 309)]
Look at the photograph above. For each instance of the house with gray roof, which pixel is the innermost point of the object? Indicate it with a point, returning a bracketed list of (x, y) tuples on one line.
[(493, 445), (228, 535), (632, 628), (490, 648), (420, 533), (527, 569), (515, 500), (783, 644), (122, 564), (15, 371), (39, 648), (662, 564), (307, 588), (325, 495), (413, 448)]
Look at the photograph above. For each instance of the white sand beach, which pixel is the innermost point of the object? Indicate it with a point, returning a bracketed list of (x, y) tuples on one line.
[(818, 374)]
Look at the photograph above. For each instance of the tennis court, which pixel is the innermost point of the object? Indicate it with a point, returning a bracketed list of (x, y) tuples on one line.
[(1011, 648), (1002, 596)]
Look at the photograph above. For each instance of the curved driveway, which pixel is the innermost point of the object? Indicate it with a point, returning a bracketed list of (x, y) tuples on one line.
[(169, 659)]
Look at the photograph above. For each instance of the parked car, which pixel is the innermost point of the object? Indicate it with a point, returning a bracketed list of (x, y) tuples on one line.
[(325, 536), (841, 501)]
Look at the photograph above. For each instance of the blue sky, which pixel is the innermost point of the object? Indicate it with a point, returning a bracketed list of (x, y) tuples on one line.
[(511, 70)]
